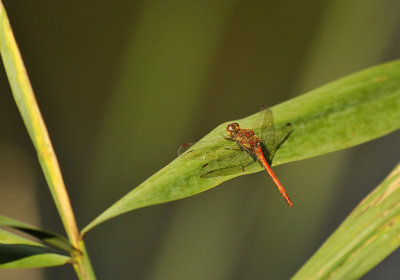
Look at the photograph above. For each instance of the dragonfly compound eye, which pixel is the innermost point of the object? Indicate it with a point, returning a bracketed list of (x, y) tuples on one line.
[(232, 128)]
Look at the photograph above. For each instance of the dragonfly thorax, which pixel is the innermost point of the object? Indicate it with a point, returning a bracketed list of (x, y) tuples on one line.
[(245, 138)]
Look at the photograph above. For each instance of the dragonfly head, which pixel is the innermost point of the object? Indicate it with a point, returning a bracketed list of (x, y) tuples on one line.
[(232, 129)]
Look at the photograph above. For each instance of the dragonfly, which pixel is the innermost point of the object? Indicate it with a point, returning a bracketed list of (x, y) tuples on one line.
[(251, 147)]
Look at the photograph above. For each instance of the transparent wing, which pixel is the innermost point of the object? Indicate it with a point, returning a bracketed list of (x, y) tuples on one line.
[(185, 147), (264, 127), (271, 138), (215, 149), (281, 135), (227, 166), (222, 157)]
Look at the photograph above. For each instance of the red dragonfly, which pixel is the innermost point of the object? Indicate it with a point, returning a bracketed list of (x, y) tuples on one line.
[(257, 149)]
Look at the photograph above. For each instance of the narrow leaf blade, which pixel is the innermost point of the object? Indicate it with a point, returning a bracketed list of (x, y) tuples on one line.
[(18, 252), (50, 238), (369, 234)]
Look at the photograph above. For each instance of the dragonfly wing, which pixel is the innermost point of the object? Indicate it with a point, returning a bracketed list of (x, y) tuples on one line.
[(264, 126), (265, 130), (271, 137), (184, 147), (209, 150), (227, 166), (281, 135)]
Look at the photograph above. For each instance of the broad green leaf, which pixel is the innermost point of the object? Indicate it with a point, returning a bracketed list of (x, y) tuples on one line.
[(50, 238), (341, 114), (18, 252), (364, 239)]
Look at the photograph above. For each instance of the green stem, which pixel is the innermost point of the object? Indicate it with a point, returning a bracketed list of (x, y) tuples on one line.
[(29, 109), (82, 264)]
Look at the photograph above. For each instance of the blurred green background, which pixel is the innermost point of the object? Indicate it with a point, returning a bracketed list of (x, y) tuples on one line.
[(122, 84)]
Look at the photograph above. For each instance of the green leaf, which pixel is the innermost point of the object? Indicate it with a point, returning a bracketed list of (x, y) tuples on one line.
[(341, 114), (30, 113), (18, 252), (50, 238), (365, 238)]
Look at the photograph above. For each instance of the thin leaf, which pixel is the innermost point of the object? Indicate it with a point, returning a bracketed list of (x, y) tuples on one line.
[(30, 113), (51, 238), (364, 239), (18, 252), (342, 114), (29, 110)]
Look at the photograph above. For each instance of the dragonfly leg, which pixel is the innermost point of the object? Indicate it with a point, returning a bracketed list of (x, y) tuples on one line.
[(250, 152), (227, 138), (244, 166)]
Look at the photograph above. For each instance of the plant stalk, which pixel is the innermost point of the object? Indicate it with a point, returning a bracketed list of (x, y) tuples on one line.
[(29, 109)]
